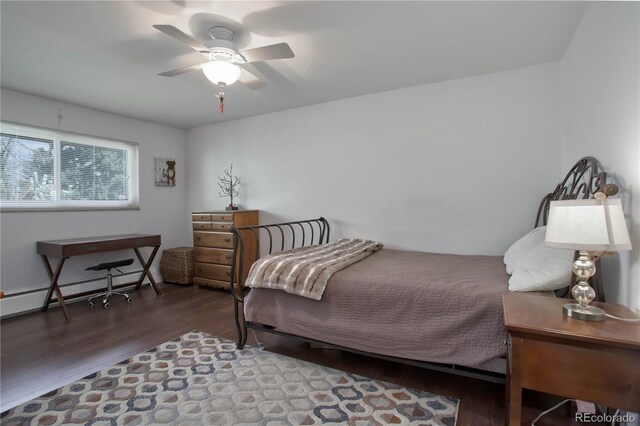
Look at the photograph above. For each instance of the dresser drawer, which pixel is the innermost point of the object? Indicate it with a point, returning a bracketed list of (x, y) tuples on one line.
[(212, 283), (221, 226), (212, 271), (200, 217), (202, 225), (213, 239), (222, 217), (213, 255)]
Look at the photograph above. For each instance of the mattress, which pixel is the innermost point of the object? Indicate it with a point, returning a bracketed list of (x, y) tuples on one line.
[(424, 306)]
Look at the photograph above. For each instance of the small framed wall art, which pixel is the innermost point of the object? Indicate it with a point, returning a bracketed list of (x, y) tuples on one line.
[(165, 172)]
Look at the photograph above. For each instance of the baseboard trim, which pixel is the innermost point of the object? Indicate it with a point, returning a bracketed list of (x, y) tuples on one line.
[(31, 301)]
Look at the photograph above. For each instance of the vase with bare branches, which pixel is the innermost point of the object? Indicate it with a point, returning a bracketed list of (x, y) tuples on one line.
[(229, 187)]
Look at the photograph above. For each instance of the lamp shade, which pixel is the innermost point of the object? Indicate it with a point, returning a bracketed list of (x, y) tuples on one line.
[(596, 225), (221, 72)]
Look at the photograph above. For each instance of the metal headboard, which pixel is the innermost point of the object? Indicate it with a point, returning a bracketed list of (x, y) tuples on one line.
[(276, 236), (583, 180)]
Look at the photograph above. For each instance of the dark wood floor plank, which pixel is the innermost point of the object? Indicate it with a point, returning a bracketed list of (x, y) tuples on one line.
[(41, 351)]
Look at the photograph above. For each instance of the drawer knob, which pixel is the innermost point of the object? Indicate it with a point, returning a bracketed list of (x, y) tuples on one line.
[(228, 257), (226, 240), (228, 273), (197, 238)]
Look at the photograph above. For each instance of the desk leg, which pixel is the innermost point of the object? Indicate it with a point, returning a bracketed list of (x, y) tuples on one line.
[(514, 387), (146, 265), (53, 276)]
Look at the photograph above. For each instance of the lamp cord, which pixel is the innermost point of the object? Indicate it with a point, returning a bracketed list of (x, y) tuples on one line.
[(622, 319), (613, 422), (533, 423)]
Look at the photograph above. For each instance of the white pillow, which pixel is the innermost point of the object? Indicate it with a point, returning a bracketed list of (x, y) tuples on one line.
[(536, 267)]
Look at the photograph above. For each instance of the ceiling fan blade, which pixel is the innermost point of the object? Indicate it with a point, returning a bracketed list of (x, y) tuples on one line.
[(172, 31), (182, 70), (250, 80), (267, 53)]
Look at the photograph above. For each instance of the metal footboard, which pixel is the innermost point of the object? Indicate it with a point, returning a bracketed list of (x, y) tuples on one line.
[(277, 237)]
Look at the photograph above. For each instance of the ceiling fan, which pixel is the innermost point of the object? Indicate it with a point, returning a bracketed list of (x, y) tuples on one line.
[(222, 61)]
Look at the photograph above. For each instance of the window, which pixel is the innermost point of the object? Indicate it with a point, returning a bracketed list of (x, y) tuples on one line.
[(51, 169)]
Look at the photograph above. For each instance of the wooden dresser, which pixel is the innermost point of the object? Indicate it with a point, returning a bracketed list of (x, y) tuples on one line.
[(213, 245)]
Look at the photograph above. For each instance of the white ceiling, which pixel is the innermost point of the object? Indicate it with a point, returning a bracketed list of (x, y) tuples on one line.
[(106, 55)]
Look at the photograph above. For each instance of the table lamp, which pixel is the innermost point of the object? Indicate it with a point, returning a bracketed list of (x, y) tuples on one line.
[(595, 228)]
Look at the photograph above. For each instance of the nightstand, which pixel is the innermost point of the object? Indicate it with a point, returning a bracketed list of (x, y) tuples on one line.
[(548, 352)]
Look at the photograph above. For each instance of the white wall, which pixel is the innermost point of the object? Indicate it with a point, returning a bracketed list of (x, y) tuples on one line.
[(162, 209), (457, 166), (601, 117)]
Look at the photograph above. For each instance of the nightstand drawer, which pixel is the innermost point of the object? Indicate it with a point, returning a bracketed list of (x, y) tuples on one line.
[(550, 367), (213, 255), (213, 239), (200, 217), (212, 271)]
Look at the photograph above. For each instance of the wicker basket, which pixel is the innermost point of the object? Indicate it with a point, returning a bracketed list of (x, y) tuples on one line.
[(176, 265)]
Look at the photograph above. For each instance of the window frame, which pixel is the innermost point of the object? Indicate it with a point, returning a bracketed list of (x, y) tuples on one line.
[(57, 204)]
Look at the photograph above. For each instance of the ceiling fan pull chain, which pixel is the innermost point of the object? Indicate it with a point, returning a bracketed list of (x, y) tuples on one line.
[(221, 96)]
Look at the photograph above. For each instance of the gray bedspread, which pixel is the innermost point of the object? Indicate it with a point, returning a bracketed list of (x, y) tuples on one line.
[(424, 306)]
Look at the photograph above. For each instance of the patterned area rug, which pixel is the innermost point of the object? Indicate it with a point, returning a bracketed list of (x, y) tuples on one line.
[(199, 379)]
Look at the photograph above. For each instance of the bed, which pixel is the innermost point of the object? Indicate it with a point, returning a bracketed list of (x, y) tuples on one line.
[(440, 311)]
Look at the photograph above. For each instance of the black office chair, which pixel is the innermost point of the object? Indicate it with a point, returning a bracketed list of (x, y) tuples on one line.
[(109, 266)]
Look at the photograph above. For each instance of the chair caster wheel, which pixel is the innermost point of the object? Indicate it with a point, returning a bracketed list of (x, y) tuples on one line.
[(128, 300), (91, 304), (107, 305)]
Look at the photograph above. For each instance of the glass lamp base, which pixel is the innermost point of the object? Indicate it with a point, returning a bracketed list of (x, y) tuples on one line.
[(592, 313)]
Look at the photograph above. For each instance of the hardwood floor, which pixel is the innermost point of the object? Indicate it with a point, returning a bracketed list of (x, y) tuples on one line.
[(41, 351)]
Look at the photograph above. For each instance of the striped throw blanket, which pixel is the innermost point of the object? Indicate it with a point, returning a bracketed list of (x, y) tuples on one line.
[(305, 271)]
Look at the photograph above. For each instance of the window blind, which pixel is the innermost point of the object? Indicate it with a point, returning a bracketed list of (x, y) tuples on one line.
[(50, 169)]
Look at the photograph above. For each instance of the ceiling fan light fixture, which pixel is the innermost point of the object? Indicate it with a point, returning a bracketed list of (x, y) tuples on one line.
[(221, 73)]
